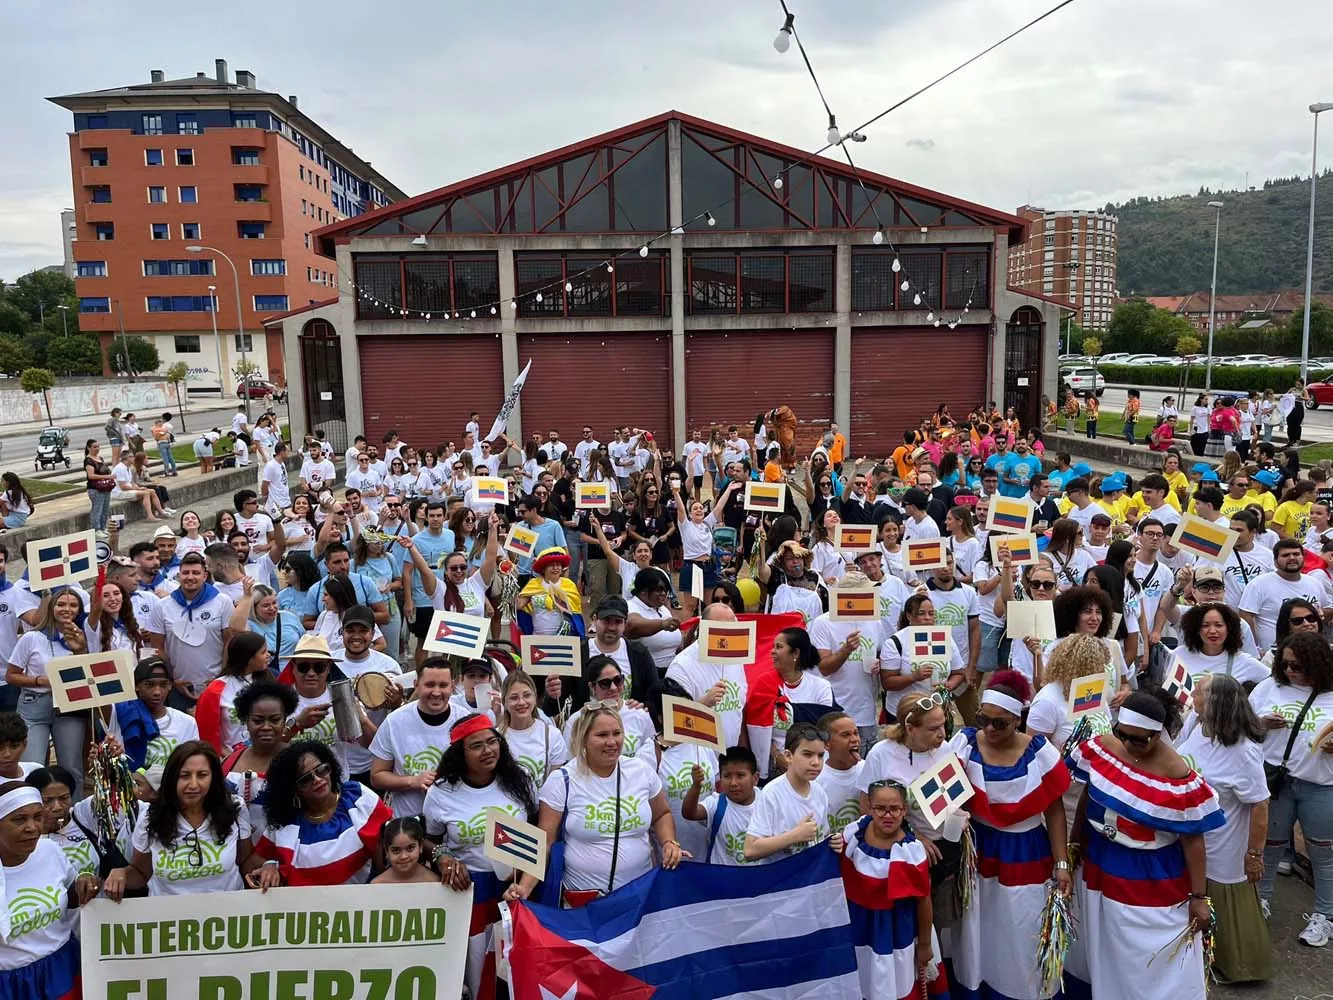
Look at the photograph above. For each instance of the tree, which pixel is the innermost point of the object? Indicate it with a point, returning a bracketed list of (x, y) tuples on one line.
[(1186, 345), (13, 358), (1321, 329), (38, 293), (34, 342), (245, 370), (39, 380), (142, 355), (1092, 347), (74, 355), (13, 320), (176, 374)]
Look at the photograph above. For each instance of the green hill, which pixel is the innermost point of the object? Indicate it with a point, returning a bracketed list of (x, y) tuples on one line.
[(1166, 244)]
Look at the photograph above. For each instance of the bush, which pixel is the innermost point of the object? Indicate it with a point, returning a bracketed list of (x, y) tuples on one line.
[(1224, 378)]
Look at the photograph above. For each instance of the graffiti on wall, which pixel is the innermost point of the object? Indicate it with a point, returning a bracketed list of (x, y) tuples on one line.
[(19, 407)]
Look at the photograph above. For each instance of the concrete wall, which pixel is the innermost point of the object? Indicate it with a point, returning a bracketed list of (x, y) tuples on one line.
[(142, 398)]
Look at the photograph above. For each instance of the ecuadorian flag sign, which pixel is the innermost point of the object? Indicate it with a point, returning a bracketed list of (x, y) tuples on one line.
[(488, 489), (1205, 539)]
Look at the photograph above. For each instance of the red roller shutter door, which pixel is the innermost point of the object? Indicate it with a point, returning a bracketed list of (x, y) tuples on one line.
[(425, 385), (601, 380), (900, 375), (731, 377)]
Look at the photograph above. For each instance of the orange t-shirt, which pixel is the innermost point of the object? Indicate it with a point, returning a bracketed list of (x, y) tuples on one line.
[(902, 459), (773, 473), (837, 450)]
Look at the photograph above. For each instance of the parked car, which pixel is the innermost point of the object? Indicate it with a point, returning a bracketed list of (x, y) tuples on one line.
[(1248, 361), (1083, 381), (259, 388), (1139, 360), (1114, 359)]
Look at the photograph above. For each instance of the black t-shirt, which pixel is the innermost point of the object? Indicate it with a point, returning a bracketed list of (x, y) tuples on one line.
[(562, 498), (613, 526)]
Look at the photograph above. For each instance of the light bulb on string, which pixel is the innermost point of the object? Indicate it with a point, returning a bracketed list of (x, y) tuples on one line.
[(610, 268), (473, 315), (953, 324), (677, 231), (937, 324), (643, 250), (930, 316), (897, 265), (783, 40), (709, 216), (427, 317), (878, 238), (513, 304), (539, 296), (492, 310), (905, 285), (916, 299), (833, 136), (777, 183), (569, 286)]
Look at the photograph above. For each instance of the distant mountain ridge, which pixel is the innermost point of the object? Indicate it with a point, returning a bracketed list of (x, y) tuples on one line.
[(1166, 244)]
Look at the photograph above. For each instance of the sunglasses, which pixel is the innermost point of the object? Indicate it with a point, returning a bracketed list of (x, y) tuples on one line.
[(1129, 740), (314, 774), (310, 667), (1041, 584), (927, 702), (392, 503), (1302, 619), (609, 683), (998, 724)]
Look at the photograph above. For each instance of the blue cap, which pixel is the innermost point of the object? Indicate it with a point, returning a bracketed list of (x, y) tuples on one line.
[(1115, 481), (1268, 477), (1081, 471), (1201, 468), (1209, 477)]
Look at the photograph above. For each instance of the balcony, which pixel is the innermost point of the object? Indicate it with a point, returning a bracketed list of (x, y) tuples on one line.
[(101, 211), (254, 211), (249, 175), (94, 176)]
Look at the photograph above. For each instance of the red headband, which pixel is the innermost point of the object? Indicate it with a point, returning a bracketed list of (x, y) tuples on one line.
[(476, 724)]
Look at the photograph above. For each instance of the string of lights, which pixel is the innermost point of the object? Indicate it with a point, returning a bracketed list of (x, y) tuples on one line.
[(781, 44)]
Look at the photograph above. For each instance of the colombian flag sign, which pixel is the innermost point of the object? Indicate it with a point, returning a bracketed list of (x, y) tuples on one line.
[(726, 642), (1205, 539), (768, 498), (1022, 548), (1009, 514)]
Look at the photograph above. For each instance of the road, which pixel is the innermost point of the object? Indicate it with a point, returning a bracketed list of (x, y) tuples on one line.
[(1318, 424)]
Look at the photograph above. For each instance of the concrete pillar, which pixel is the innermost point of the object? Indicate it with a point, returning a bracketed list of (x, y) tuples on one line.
[(676, 215), (1001, 312), (349, 353), (842, 343), (291, 351), (509, 361)]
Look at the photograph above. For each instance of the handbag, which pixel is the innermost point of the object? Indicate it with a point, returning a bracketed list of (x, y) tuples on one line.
[(1276, 774)]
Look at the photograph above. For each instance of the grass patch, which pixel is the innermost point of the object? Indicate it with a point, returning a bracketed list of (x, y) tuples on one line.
[(38, 488), (1316, 453)]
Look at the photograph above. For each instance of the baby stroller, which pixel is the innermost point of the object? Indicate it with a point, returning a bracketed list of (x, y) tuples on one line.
[(51, 445), (725, 541)]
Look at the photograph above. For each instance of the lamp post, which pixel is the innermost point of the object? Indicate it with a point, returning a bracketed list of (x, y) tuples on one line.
[(240, 324), (1316, 110), (217, 340), (64, 318), (1212, 297)]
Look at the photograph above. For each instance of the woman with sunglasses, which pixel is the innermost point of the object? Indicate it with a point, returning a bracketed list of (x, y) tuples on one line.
[(1212, 642), (1298, 756), (972, 472), (653, 523), (825, 558), (321, 829), (606, 686), (898, 675), (194, 837), (1295, 614), (263, 708), (1016, 813), (1143, 880), (534, 741), (1037, 582), (246, 660), (297, 576), (398, 480), (476, 774), (602, 805), (371, 558)]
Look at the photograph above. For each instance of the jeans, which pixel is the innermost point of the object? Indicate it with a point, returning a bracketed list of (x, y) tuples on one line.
[(1091, 430), (101, 509), (1129, 432), (575, 547), (45, 724), (14, 519), (994, 651), (1268, 433), (168, 459), (1312, 806)]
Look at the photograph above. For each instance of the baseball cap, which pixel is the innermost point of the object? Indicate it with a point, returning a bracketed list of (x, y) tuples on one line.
[(1200, 468), (359, 614), (1268, 477), (1101, 519), (1081, 470), (1208, 574), (1209, 477), (916, 497), (164, 531), (612, 606)]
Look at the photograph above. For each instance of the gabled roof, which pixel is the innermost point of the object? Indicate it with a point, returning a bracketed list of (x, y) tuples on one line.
[(1064, 304), (328, 236), (273, 318)]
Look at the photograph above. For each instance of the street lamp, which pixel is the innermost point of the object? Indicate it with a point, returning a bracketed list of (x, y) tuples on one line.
[(64, 318), (1315, 109), (240, 325), (1212, 297), (217, 340)]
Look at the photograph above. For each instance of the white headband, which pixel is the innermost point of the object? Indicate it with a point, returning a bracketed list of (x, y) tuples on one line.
[(1126, 717), (1001, 700), (18, 798)]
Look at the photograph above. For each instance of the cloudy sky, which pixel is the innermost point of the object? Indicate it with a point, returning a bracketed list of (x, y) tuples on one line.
[(1105, 100)]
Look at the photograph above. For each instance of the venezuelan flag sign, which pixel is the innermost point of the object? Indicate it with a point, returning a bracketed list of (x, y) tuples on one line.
[(1205, 539), (689, 722), (726, 642), (847, 604), (768, 498), (1009, 514), (54, 562), (924, 553), (487, 489)]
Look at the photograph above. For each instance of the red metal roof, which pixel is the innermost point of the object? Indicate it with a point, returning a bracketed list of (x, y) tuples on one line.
[(1062, 303), (340, 231), (277, 317)]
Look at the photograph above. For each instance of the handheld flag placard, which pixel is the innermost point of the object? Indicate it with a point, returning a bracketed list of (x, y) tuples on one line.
[(767, 498), (925, 553), (1179, 683), (551, 654), (522, 541), (457, 635), (592, 496), (1088, 695), (854, 537), (1022, 549), (942, 790), (697, 583), (91, 680), (489, 489), (848, 604), (54, 562), (930, 647), (1205, 539), (1026, 619), (726, 642), (512, 842), (1009, 514), (688, 721)]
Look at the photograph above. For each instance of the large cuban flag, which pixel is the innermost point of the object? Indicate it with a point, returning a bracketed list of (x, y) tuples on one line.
[(700, 932)]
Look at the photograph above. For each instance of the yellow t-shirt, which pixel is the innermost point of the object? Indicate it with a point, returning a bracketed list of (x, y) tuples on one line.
[(1230, 505), (1117, 509), (1178, 481), (1292, 519), (1137, 500), (1265, 500)]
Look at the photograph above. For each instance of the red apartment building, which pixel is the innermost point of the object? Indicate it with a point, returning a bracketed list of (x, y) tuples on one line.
[(204, 161), (1069, 255)]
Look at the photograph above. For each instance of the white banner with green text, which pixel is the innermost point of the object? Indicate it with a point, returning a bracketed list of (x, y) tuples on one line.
[(401, 942)]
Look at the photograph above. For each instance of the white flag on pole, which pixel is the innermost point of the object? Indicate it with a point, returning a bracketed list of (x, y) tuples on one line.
[(507, 407)]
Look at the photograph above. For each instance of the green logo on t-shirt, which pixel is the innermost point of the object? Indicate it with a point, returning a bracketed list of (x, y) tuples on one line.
[(426, 759), (631, 747), (32, 909), (471, 832), (947, 613), (183, 862), (731, 700), (326, 731), (159, 749), (679, 782), (850, 812), (79, 853), (734, 845), (601, 817), (534, 767)]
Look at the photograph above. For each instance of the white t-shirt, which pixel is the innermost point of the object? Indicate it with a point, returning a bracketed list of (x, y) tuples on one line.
[(842, 789), (780, 808), (663, 644), (965, 556), (955, 608), (675, 770), (1243, 567), (539, 749), (855, 687), (413, 747), (238, 423), (1263, 598), (357, 758), (34, 649), (473, 593), (729, 846), (174, 872), (1236, 774), (693, 454), (193, 641), (368, 483), (1240, 665), (925, 528), (590, 821), (1287, 700), (893, 594), (279, 492), (640, 735), (173, 729), (895, 658), (41, 919), (257, 529), (1049, 714), (734, 450), (319, 475), (1070, 572), (456, 816), (582, 451), (891, 761), (697, 678), (1155, 579), (828, 562), (696, 539), (14, 601)]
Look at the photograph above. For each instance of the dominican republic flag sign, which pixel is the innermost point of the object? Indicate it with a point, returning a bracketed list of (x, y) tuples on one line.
[(930, 644), (1180, 684), (942, 790), (515, 843), (552, 654), (457, 635), (53, 562), (91, 679)]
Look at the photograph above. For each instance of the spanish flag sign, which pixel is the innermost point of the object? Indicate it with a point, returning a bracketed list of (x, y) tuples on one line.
[(1022, 549), (853, 604), (854, 537), (726, 642), (689, 722), (769, 498), (1205, 539), (592, 496), (1012, 514), (925, 553)]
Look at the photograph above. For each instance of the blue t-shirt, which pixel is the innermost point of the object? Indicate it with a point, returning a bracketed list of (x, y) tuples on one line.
[(291, 599), (1020, 467), (292, 629), (382, 569), (432, 548), (550, 533), (367, 592)]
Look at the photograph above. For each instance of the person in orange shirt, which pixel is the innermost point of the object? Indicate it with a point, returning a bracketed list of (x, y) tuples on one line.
[(1131, 414), (837, 449), (902, 455)]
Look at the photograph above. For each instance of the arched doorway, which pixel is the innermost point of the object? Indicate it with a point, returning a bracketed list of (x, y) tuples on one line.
[(321, 366), (1022, 365)]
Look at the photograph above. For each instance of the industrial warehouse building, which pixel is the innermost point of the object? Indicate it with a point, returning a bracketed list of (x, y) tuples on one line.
[(671, 275)]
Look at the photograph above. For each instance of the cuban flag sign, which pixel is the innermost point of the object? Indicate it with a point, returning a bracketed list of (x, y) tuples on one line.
[(457, 635), (515, 843), (54, 562)]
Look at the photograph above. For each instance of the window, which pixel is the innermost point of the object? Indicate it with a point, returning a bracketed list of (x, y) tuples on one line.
[(187, 124), (101, 194), (157, 195), (152, 157), (189, 230), (91, 269), (249, 192), (105, 230), (270, 267), (152, 124), (304, 207), (270, 303), (1048, 271), (187, 345), (243, 342), (95, 305), (188, 195), (300, 170), (1050, 239), (97, 158), (307, 241), (179, 303), (185, 157), (190, 267), (161, 231), (250, 230), (244, 156), (309, 273)]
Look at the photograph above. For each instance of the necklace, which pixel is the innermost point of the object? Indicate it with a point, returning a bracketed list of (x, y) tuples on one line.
[(325, 815)]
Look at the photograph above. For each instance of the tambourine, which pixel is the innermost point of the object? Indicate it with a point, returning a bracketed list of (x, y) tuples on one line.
[(372, 689)]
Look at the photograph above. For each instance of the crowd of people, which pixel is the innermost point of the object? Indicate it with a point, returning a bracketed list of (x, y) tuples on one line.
[(290, 727)]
